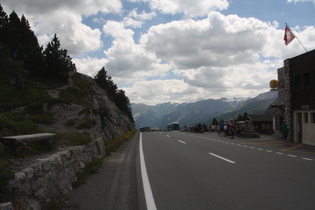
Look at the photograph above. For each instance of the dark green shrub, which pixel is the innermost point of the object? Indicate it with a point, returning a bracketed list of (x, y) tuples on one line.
[(70, 122), (87, 124)]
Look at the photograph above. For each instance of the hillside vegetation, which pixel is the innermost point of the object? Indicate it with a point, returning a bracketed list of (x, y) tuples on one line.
[(41, 91)]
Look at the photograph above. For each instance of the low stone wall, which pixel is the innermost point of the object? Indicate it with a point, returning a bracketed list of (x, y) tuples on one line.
[(50, 177)]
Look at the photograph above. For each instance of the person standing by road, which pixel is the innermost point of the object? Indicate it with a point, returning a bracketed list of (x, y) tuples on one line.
[(285, 130), (221, 128), (232, 129)]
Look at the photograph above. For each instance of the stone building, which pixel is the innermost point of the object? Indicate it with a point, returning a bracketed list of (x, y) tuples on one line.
[(296, 94)]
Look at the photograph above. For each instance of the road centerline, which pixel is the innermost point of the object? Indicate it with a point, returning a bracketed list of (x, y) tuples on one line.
[(222, 158), (181, 141)]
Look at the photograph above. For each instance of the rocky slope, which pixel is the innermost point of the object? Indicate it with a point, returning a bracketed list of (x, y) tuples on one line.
[(107, 125)]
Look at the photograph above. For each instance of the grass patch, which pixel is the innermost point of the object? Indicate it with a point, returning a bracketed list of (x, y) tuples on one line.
[(17, 124), (76, 96), (113, 145), (59, 203), (70, 122), (90, 168), (69, 139), (6, 172), (87, 124), (79, 93)]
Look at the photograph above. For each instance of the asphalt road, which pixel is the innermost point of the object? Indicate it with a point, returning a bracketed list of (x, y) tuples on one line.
[(202, 171)]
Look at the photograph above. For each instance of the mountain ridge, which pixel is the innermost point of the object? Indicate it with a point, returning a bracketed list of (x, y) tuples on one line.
[(203, 111)]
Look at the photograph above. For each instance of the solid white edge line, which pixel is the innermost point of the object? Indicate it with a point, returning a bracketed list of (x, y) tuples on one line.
[(227, 160), (145, 180)]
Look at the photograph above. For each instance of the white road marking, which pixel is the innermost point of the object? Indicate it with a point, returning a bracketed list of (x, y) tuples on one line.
[(292, 155), (307, 159), (181, 141), (145, 180), (167, 136), (222, 158), (269, 151)]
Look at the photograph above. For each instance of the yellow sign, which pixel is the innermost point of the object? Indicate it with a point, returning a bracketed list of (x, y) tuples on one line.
[(273, 84)]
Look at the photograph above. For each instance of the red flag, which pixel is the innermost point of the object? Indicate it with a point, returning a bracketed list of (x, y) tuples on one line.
[(288, 35)]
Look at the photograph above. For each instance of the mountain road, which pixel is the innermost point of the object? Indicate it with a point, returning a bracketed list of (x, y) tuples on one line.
[(179, 170)]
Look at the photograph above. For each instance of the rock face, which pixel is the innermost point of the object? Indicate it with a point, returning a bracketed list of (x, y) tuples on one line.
[(101, 120), (39, 180), (73, 109)]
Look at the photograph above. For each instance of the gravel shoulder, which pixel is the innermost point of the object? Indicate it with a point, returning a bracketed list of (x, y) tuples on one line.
[(116, 184)]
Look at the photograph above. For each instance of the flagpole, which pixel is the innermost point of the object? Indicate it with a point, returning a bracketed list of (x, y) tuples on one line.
[(296, 37)]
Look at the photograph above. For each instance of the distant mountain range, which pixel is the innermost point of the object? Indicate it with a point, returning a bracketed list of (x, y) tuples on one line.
[(204, 111)]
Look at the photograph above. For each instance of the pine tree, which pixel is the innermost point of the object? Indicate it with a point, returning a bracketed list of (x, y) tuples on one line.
[(101, 78), (123, 103), (30, 47), (57, 63), (13, 36), (106, 83), (4, 49)]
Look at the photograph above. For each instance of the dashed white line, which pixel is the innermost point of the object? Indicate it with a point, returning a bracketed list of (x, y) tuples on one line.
[(260, 149), (292, 156), (222, 158), (181, 141), (167, 136), (307, 159)]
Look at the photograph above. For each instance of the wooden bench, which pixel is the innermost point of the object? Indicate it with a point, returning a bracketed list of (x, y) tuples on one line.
[(16, 141)]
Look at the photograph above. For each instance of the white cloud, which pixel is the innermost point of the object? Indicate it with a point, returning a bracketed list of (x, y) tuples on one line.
[(210, 57), (132, 22), (190, 8), (129, 60), (89, 66), (142, 16), (296, 1), (74, 36), (215, 41), (82, 7), (65, 19), (136, 20), (159, 91), (218, 56)]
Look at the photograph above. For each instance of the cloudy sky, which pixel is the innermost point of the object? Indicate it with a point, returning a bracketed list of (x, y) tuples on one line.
[(175, 50)]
